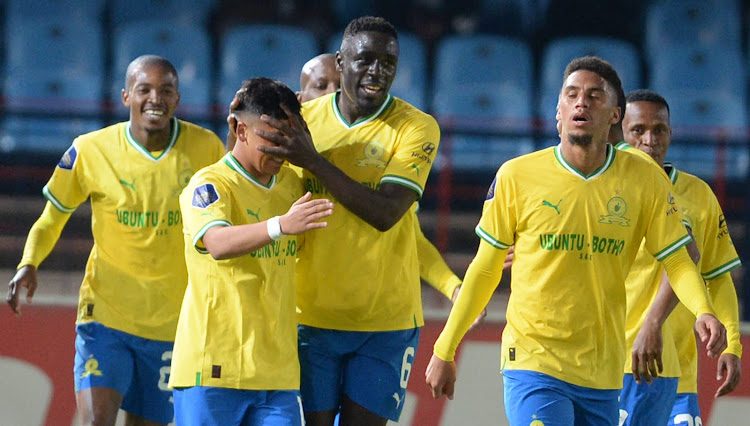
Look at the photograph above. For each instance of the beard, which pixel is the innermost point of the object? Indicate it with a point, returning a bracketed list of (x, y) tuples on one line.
[(580, 140)]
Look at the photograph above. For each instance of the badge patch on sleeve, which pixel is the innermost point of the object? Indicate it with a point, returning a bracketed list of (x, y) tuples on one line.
[(205, 195), (68, 159), (491, 191)]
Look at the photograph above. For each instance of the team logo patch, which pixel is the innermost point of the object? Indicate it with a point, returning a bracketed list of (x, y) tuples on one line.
[(428, 148), (616, 207), (205, 195), (373, 152), (68, 159), (491, 191)]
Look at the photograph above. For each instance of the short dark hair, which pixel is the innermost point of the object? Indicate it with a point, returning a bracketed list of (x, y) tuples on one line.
[(262, 95), (604, 69), (645, 95), (369, 23), (148, 61)]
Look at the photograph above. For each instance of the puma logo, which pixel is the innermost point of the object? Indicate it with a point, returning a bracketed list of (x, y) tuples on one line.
[(554, 206), (128, 184), (397, 397), (250, 212), (416, 168)]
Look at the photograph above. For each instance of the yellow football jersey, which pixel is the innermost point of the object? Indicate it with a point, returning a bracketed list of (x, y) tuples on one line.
[(575, 239), (718, 256), (134, 281), (354, 277), (237, 326)]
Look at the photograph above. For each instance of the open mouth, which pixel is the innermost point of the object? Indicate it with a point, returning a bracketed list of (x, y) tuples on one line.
[(153, 113), (372, 89)]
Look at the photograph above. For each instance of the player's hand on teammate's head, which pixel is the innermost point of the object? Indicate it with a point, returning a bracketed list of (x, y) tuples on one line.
[(711, 332), (728, 368), (481, 316), (305, 214), (25, 277), (292, 139), (440, 376)]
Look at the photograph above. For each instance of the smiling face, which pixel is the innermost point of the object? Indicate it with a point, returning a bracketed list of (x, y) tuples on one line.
[(646, 127), (152, 96), (367, 63), (587, 108)]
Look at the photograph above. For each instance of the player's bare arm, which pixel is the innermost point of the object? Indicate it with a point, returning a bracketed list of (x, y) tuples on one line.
[(381, 208), (25, 278)]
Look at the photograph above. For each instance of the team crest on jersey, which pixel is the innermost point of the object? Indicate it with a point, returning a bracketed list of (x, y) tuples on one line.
[(616, 209), (205, 195), (183, 178), (491, 191), (68, 159), (373, 152)]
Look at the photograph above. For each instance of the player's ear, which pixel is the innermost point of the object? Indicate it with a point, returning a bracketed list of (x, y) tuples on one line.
[(616, 115), (125, 95), (339, 68), (241, 131), (299, 96)]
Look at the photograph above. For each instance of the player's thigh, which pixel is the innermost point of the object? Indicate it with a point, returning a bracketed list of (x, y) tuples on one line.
[(535, 399), (149, 396), (322, 356), (280, 408), (647, 404), (209, 406), (686, 411), (102, 359), (377, 374)]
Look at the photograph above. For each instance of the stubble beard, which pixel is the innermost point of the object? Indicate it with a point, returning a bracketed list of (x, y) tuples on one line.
[(580, 140)]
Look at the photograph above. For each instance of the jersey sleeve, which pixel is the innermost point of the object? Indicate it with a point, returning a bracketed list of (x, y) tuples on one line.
[(665, 232), (432, 267), (719, 255), (724, 296), (67, 188), (498, 222), (414, 155), (204, 203)]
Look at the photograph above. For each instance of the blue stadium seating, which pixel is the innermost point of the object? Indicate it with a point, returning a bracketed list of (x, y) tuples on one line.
[(623, 55), (470, 59), (272, 51), (186, 12), (696, 67), (411, 78), (474, 119), (187, 47), (71, 10), (43, 136), (346, 10), (706, 23), (699, 120)]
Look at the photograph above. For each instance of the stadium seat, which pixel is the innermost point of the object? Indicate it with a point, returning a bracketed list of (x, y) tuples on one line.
[(52, 43), (623, 55), (187, 47), (185, 12), (484, 125), (706, 23), (272, 51), (702, 68), (43, 91), (700, 120), (43, 136), (71, 10), (411, 77), (346, 10), (471, 59)]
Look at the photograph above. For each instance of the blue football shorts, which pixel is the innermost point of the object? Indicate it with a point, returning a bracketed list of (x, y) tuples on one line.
[(371, 368), (686, 411), (137, 368), (209, 406), (647, 404), (536, 399)]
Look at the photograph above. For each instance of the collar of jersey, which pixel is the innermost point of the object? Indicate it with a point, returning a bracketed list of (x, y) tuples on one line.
[(607, 162), (361, 121), (175, 133), (235, 165), (671, 171)]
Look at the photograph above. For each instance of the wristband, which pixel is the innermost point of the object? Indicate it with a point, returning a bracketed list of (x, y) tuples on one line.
[(274, 228)]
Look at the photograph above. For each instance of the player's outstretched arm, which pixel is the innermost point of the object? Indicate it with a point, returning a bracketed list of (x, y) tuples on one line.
[(381, 208), (226, 242), (41, 240)]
